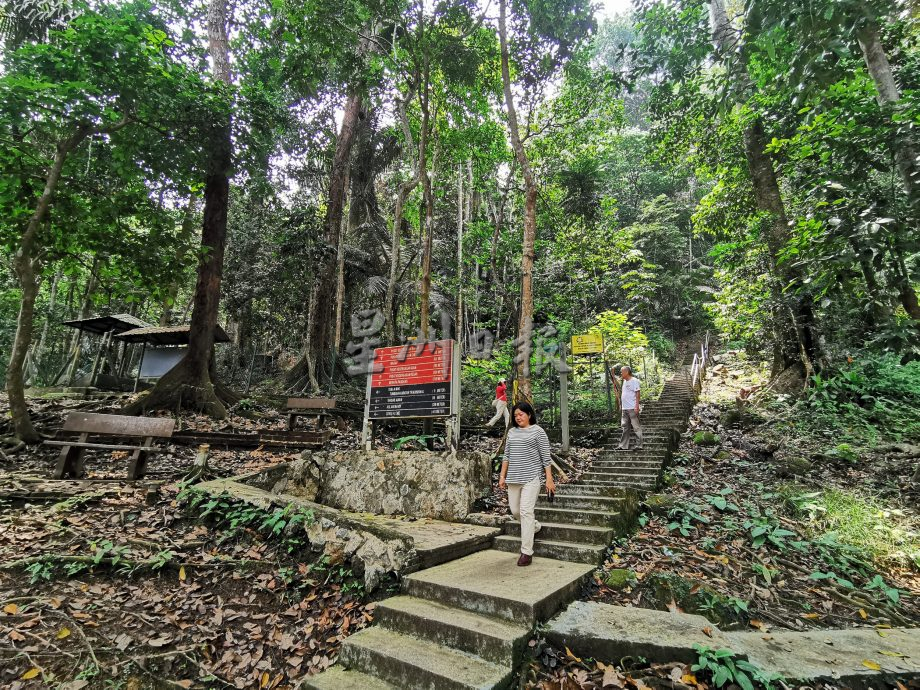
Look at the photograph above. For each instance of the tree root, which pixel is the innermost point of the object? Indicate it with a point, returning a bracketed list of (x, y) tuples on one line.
[(15, 444), (149, 564)]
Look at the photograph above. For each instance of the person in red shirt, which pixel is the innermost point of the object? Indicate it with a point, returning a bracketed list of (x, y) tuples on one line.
[(500, 404)]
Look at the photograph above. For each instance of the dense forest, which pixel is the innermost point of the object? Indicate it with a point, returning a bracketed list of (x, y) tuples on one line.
[(321, 177), (212, 213)]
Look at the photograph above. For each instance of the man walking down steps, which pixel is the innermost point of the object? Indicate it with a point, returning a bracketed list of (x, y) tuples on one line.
[(629, 404)]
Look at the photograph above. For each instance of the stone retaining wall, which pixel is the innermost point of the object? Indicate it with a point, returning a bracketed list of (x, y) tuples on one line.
[(441, 486)]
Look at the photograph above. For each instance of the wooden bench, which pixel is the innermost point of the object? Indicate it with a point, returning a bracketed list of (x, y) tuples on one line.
[(309, 407), (84, 424)]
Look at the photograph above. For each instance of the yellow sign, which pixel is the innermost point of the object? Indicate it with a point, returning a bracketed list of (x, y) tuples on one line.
[(587, 344)]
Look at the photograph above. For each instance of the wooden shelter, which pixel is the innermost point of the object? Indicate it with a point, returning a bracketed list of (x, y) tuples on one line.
[(162, 347), (107, 327)]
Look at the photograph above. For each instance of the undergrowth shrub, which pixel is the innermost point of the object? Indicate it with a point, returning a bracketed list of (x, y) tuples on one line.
[(858, 522), (872, 396)]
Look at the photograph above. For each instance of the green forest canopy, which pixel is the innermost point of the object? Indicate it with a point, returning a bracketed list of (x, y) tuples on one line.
[(748, 167)]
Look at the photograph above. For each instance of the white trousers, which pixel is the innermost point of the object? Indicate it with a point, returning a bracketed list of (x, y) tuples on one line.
[(522, 499), (501, 410)]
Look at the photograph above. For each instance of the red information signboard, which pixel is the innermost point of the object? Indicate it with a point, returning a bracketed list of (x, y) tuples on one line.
[(412, 381)]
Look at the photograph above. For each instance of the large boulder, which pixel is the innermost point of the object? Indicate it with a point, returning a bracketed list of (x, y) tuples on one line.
[(426, 484)]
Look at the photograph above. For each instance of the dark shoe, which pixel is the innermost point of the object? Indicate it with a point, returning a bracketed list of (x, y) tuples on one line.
[(525, 559)]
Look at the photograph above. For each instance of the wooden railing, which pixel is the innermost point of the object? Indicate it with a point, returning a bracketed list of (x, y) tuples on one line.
[(700, 364)]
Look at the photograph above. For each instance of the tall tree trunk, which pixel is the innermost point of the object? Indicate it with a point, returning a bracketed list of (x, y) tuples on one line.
[(189, 383), (27, 265), (74, 351), (405, 189), (906, 155), (906, 292), (185, 233), (458, 318), (427, 246), (525, 318), (340, 282), (38, 353), (794, 324), (323, 293), (879, 311)]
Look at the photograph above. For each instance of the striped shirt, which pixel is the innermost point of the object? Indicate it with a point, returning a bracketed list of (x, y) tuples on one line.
[(527, 453)]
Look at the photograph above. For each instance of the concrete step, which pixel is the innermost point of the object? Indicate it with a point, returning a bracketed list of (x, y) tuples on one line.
[(629, 457), (491, 583), (587, 502), (558, 550), (586, 489), (415, 664), (643, 486), (645, 453), (609, 473), (575, 516), (492, 639), (628, 476), (647, 439), (339, 678), (555, 531), (609, 456), (632, 459)]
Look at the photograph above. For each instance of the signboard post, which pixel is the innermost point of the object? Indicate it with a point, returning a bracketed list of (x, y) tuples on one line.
[(564, 402), (415, 381)]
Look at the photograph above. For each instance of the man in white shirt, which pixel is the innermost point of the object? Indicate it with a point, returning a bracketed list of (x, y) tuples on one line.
[(629, 405)]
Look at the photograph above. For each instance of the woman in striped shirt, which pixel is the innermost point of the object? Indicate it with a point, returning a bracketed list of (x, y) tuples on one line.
[(526, 459)]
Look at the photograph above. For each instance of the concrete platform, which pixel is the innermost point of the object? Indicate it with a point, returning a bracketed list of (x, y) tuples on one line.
[(609, 633), (434, 541), (491, 583), (338, 678), (437, 542), (834, 655)]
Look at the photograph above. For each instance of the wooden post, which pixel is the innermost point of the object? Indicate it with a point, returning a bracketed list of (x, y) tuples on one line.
[(76, 358), (140, 363), (367, 426), (453, 422), (609, 393), (102, 346), (564, 402)]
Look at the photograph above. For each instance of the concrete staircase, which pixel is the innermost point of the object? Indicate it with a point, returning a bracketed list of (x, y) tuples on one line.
[(464, 624), (457, 626)]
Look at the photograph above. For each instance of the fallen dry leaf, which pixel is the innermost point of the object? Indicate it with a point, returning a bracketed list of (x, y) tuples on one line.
[(611, 679), (868, 663)]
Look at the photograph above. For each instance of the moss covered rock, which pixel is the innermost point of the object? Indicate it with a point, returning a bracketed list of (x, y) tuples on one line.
[(705, 438), (620, 578), (659, 504), (792, 466), (730, 418), (666, 589)]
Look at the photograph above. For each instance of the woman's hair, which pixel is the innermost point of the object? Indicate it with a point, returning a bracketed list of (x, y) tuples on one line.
[(527, 408)]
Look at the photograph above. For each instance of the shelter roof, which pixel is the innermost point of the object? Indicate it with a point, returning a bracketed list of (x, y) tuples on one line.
[(167, 335), (119, 323)]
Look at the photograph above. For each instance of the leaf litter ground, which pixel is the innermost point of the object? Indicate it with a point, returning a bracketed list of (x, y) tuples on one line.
[(696, 549)]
